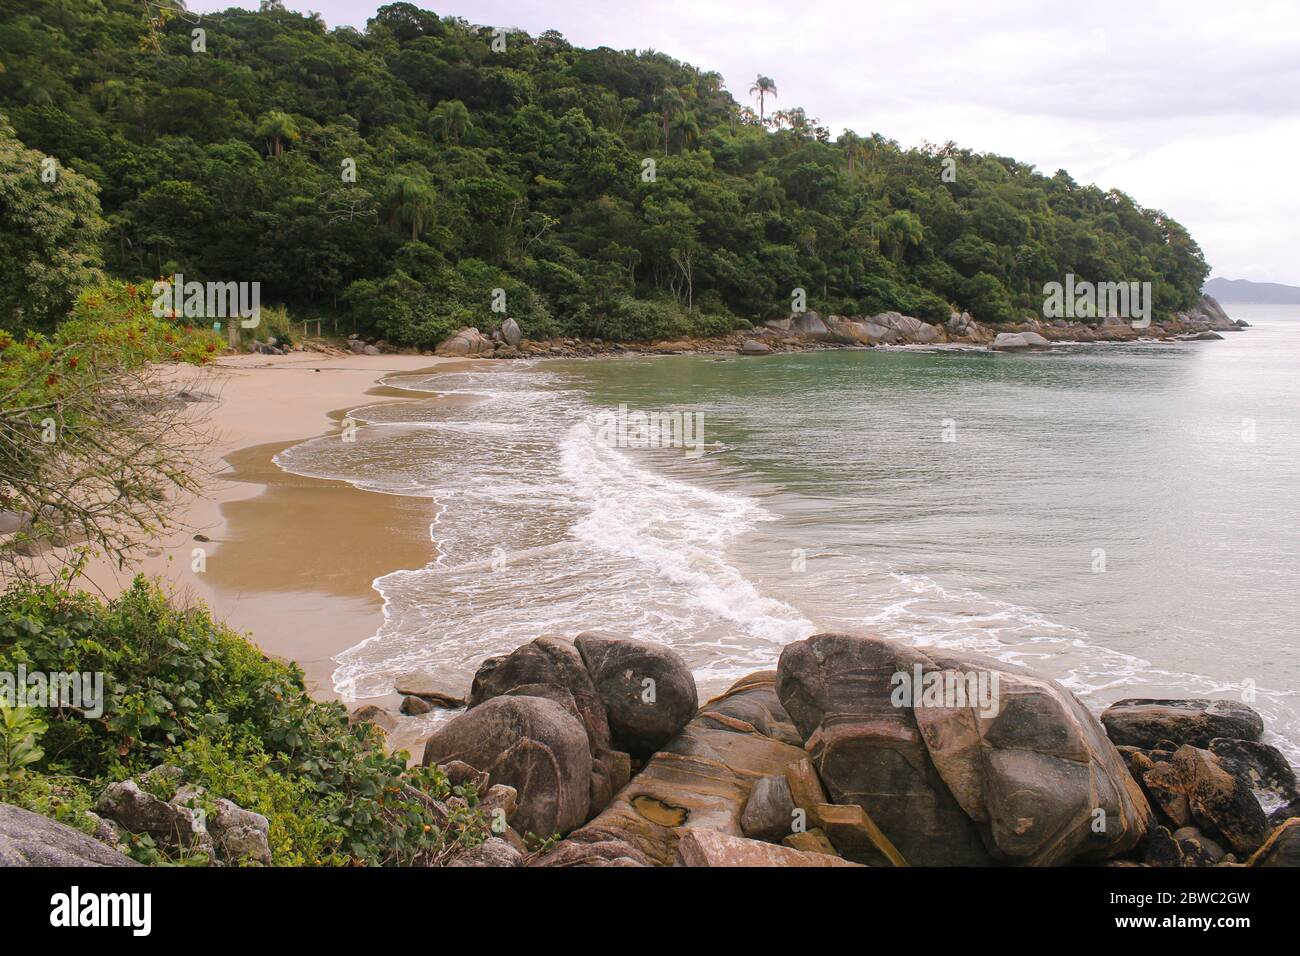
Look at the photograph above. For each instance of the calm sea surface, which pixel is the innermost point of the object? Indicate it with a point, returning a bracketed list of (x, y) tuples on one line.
[(1124, 519)]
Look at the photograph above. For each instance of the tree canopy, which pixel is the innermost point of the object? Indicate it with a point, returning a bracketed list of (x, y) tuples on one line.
[(403, 173)]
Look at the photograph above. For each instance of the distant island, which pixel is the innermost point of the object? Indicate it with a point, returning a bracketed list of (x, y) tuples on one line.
[(1243, 290)]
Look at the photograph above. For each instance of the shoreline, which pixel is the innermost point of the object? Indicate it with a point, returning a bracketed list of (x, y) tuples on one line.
[(288, 560)]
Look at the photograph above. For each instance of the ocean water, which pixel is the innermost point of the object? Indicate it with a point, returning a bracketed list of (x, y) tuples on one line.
[(1123, 519)]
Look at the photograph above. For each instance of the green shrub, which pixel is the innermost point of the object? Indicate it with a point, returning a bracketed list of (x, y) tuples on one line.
[(988, 300), (183, 690)]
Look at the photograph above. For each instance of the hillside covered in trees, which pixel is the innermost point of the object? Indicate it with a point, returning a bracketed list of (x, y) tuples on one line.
[(397, 176)]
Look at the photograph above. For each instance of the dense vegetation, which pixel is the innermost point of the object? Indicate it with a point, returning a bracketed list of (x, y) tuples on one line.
[(480, 168), (93, 441), (182, 690)]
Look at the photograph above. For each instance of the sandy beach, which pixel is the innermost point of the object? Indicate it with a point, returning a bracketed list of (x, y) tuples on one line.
[(288, 560)]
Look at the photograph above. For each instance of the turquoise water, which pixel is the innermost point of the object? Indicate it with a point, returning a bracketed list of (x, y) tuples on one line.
[(1122, 518)]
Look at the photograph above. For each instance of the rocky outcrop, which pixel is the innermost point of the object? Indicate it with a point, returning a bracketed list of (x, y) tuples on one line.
[(511, 334), (859, 748), (172, 824), (770, 811), (415, 706), (755, 347), (465, 343), (241, 836), (372, 714), (886, 328), (1017, 341), (1163, 787), (191, 821), (648, 691), (29, 839), (907, 328), (852, 832), (551, 667), (702, 780), (1207, 313), (461, 774), (430, 689), (1030, 780), (1140, 722), (1219, 803), (1196, 848), (1261, 766), (1282, 848), (530, 743), (493, 852), (1285, 812), (867, 751), (809, 325), (710, 848)]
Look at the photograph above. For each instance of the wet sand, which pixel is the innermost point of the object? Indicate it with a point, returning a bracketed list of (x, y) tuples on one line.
[(289, 560)]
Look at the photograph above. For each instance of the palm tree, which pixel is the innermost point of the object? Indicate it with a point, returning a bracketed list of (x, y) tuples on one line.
[(764, 86), (799, 122), (410, 205), (276, 127), (688, 129), (903, 229), (453, 119), (851, 143), (670, 102), (712, 81), (126, 103)]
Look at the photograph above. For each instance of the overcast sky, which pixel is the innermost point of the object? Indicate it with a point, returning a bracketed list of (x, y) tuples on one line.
[(1191, 106)]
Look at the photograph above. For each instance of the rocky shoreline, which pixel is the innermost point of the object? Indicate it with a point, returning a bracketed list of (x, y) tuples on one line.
[(601, 741), (853, 751), (807, 331)]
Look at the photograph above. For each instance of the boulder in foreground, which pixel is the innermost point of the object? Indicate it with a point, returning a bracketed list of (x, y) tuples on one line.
[(1220, 804), (1141, 722), (29, 839), (648, 691), (711, 848), (551, 667), (531, 744), (701, 780), (1282, 848), (1019, 773)]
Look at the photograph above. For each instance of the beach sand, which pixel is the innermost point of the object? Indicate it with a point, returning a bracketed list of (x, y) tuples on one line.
[(290, 560)]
